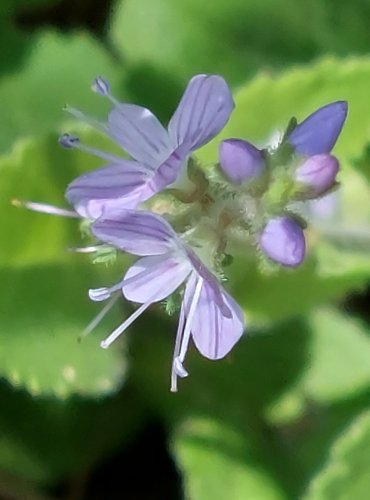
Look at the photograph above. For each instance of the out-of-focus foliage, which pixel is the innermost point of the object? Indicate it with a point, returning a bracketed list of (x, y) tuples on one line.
[(59, 68), (345, 474), (237, 37), (286, 414)]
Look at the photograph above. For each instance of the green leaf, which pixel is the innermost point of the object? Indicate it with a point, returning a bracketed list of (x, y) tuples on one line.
[(15, 43), (39, 170), (346, 473), (237, 37), (44, 311), (338, 366), (218, 462), (59, 71)]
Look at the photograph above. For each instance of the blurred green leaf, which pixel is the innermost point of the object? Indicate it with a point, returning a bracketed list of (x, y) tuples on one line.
[(59, 70), (39, 170), (346, 473), (15, 43), (43, 312), (235, 38), (218, 462), (338, 367)]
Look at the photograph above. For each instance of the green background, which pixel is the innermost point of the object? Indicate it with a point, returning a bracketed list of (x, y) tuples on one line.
[(286, 414)]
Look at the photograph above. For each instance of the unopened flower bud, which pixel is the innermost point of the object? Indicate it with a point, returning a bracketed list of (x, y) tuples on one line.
[(317, 174), (283, 241), (319, 132), (240, 161)]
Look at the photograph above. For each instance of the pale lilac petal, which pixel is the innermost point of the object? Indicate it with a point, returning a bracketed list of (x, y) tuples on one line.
[(319, 132), (139, 133), (203, 111), (240, 161), (136, 232), (116, 186), (213, 333), (156, 278)]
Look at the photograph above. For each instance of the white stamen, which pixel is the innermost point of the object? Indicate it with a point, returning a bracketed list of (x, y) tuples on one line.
[(90, 249), (117, 332), (189, 320), (100, 294), (183, 337), (45, 208), (179, 368), (98, 318), (180, 328)]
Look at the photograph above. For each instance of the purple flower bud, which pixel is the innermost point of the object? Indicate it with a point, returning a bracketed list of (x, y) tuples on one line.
[(318, 133), (68, 141), (282, 240), (317, 174), (101, 86), (240, 161)]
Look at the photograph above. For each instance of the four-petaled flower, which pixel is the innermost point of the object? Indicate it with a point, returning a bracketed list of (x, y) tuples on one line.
[(159, 156), (208, 313)]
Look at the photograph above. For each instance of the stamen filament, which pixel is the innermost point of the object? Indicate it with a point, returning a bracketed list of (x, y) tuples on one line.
[(99, 317), (45, 208), (180, 328), (79, 115), (117, 332), (183, 337), (189, 319)]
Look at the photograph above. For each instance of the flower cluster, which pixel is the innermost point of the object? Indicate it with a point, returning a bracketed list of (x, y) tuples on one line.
[(184, 222)]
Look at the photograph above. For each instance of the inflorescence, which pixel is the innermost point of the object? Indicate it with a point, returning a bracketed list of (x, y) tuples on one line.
[(185, 222)]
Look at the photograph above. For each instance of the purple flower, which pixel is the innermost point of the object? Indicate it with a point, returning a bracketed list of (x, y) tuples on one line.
[(282, 240), (318, 133), (317, 174), (240, 161), (159, 156), (208, 313)]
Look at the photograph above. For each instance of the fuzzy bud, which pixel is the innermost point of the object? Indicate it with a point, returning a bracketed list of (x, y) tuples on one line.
[(317, 174), (240, 161), (283, 241)]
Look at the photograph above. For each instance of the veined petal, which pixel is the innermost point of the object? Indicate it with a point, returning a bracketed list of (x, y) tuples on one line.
[(203, 111), (157, 277), (136, 232), (214, 334), (170, 169), (122, 185), (139, 133), (318, 133)]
